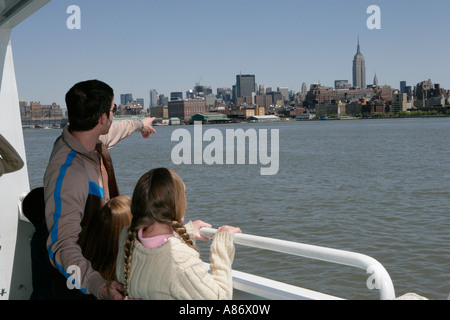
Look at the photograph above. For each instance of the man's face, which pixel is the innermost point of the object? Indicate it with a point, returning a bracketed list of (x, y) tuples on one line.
[(112, 111)]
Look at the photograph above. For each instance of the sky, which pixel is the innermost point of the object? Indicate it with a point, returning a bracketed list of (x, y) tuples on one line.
[(170, 45)]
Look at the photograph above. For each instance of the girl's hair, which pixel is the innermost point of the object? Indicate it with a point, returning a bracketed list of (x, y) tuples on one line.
[(99, 239), (159, 196)]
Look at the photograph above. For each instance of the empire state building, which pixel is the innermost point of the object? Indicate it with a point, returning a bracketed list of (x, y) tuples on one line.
[(359, 70)]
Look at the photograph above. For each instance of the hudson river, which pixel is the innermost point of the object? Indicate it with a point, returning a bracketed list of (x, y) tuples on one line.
[(376, 187)]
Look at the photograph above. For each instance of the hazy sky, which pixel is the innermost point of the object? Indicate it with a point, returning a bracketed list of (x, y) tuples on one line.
[(169, 45)]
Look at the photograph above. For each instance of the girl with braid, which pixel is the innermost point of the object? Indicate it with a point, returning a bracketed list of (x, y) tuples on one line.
[(157, 253)]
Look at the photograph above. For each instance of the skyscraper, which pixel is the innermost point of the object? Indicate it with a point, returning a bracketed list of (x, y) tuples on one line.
[(176, 95), (153, 98), (402, 86), (304, 88), (245, 85), (125, 98), (284, 93), (359, 70)]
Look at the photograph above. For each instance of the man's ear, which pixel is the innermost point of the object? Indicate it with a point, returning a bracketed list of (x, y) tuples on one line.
[(102, 119)]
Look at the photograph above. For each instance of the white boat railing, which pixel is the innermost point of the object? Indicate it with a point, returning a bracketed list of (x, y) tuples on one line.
[(378, 276)]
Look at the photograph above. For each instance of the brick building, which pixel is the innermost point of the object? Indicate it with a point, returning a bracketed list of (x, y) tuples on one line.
[(185, 109)]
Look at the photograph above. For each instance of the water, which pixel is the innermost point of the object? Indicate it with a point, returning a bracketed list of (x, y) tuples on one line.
[(377, 187)]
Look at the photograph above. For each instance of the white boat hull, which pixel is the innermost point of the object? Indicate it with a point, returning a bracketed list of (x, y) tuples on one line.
[(15, 231)]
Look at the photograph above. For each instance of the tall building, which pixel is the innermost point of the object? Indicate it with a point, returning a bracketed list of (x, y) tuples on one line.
[(153, 98), (163, 100), (402, 86), (245, 85), (304, 88), (140, 101), (284, 92), (399, 102), (359, 70), (225, 94), (176, 95), (125, 98)]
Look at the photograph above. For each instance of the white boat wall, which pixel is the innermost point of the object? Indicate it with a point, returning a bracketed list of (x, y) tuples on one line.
[(16, 231)]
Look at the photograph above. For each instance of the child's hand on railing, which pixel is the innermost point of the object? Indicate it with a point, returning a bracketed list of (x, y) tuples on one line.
[(198, 224), (230, 229)]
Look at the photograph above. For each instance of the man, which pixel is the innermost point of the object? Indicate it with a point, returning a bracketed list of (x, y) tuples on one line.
[(79, 180)]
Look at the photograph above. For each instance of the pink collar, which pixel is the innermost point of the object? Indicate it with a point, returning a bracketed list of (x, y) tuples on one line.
[(153, 242)]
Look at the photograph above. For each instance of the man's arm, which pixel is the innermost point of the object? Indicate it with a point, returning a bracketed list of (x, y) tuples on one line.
[(122, 129)]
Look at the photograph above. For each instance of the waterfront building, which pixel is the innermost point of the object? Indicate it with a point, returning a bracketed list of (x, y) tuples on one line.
[(359, 69), (399, 102), (321, 94), (244, 112), (438, 101), (160, 112), (296, 112), (374, 107), (211, 117), (185, 109), (425, 91), (36, 114)]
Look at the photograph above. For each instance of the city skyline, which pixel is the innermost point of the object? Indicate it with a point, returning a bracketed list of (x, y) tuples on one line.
[(172, 45)]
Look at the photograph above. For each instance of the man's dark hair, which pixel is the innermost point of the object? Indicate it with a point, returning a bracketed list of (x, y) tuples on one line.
[(86, 102)]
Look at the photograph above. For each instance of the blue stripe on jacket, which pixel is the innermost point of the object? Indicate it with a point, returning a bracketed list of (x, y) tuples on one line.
[(93, 189)]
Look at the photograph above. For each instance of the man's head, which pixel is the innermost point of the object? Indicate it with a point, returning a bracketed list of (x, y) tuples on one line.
[(86, 102)]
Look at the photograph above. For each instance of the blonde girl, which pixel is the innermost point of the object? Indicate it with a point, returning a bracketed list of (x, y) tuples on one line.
[(157, 251), (99, 239)]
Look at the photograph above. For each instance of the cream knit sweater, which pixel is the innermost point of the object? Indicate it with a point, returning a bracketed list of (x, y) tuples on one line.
[(175, 271)]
